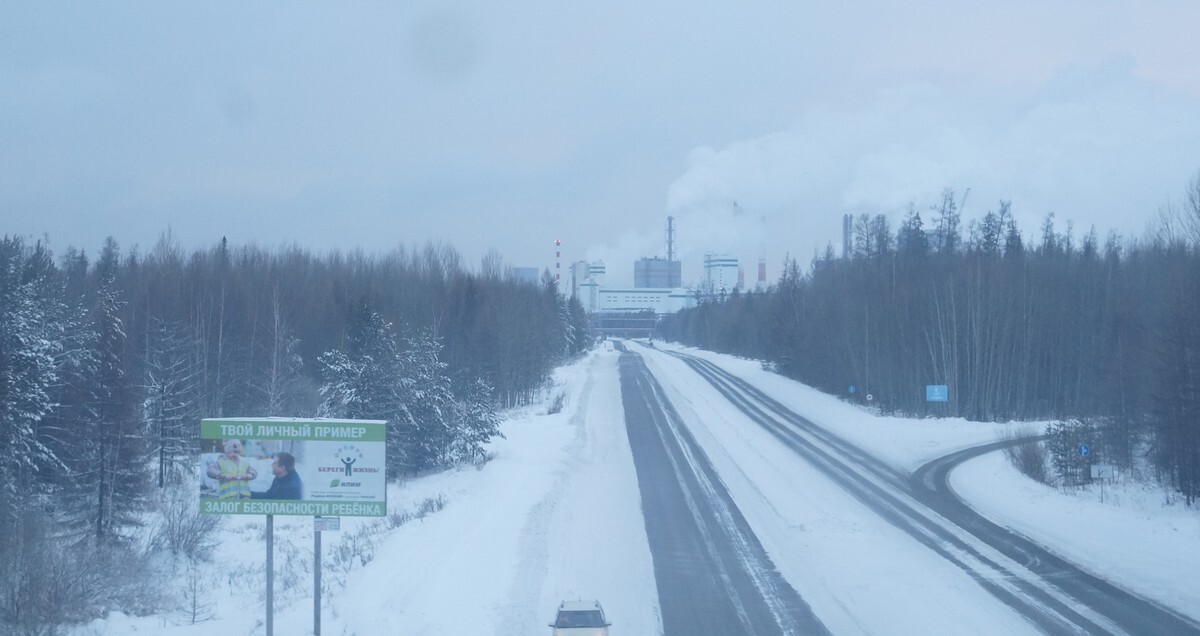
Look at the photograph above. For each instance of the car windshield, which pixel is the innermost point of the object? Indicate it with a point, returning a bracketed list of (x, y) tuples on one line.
[(586, 618)]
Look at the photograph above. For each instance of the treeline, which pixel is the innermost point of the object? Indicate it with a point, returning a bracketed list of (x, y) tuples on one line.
[(1054, 327), (108, 363)]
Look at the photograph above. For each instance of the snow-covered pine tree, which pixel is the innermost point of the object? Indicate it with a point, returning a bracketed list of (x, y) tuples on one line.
[(1063, 438), (478, 422), (170, 397), (408, 386), (580, 329), (365, 380), (30, 343), (28, 346), (362, 380), (110, 468), (429, 405), (555, 332)]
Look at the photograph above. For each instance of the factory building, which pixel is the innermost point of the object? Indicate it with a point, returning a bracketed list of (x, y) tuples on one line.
[(657, 289), (589, 296), (586, 276), (721, 274), (596, 271), (658, 300), (579, 276), (656, 272)]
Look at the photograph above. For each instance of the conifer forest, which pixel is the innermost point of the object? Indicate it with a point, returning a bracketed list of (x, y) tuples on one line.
[(108, 362), (1053, 325)]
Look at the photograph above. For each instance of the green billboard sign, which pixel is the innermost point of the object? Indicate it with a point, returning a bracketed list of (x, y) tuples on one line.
[(289, 466)]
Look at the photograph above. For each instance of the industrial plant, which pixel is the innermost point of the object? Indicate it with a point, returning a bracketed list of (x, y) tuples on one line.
[(657, 288)]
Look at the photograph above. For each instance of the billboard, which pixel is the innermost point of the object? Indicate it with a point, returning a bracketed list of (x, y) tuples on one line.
[(287, 466)]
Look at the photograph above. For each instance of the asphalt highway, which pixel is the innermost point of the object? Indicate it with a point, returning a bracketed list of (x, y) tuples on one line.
[(712, 573)]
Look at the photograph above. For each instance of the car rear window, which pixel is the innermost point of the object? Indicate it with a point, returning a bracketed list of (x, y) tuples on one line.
[(586, 618)]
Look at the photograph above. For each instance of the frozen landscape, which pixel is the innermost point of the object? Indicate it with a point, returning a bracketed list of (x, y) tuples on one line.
[(556, 515), (498, 244)]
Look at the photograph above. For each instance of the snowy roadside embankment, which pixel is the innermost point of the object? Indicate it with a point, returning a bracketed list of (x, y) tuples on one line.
[(555, 515), (860, 572), (1133, 537), (905, 443)]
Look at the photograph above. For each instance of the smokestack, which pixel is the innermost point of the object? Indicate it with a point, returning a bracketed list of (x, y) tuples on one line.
[(670, 238), (762, 274)]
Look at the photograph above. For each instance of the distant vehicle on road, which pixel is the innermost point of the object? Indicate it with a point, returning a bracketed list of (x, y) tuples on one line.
[(580, 618)]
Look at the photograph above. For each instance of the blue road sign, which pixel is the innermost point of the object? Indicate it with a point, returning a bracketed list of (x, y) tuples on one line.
[(852, 388), (1084, 450), (937, 393)]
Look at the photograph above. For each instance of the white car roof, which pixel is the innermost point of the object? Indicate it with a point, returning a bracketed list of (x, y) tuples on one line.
[(579, 606)]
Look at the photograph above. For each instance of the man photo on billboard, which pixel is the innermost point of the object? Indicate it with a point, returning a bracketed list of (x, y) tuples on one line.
[(287, 484)]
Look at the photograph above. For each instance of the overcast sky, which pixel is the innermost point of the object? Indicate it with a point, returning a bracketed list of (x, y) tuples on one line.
[(509, 125)]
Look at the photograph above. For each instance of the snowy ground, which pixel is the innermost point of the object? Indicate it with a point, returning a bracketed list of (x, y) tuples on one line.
[(1128, 532), (556, 515), (1132, 536)]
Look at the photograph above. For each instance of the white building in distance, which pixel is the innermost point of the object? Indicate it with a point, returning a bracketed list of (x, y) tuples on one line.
[(660, 300), (588, 286), (720, 273)]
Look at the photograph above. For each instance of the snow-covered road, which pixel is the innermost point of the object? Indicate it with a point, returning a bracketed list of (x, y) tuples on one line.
[(556, 515), (1051, 593), (860, 571), (714, 577)]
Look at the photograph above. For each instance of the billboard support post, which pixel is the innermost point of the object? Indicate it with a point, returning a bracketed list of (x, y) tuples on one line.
[(270, 575), (316, 581), (320, 524)]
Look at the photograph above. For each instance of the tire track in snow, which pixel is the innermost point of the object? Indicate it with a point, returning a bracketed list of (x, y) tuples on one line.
[(529, 581), (713, 575)]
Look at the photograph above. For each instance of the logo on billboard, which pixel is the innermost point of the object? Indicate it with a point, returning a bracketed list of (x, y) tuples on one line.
[(347, 456)]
